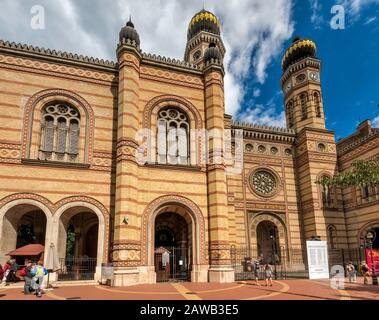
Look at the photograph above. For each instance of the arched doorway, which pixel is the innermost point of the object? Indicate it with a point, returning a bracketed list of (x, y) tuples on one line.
[(22, 224), (190, 212), (78, 244), (268, 245), (173, 247)]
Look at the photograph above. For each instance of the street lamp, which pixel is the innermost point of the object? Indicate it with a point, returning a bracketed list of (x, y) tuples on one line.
[(370, 237), (273, 253)]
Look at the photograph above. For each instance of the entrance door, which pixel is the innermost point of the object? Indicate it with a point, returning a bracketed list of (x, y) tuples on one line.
[(172, 264), (173, 254)]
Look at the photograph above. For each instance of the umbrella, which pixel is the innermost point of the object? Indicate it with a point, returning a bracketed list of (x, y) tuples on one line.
[(52, 261), (29, 250)]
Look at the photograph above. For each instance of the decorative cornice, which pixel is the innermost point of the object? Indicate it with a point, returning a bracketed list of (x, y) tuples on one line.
[(261, 132), (343, 148), (30, 51), (171, 63), (306, 62)]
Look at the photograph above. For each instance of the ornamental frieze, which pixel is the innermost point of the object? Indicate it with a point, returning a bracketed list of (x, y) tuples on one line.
[(265, 206), (10, 153), (57, 68), (159, 74)]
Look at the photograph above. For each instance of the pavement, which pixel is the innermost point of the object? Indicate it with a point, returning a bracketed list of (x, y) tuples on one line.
[(243, 290)]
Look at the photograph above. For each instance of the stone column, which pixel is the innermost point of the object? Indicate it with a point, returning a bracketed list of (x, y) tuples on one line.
[(219, 255), (127, 224)]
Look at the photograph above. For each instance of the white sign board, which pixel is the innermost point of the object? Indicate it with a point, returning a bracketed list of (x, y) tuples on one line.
[(318, 266)]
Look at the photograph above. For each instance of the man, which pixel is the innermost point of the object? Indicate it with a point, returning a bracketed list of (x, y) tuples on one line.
[(365, 272), (12, 272), (256, 268), (350, 270), (27, 274)]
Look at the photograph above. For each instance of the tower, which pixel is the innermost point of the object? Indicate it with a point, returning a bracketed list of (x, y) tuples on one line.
[(315, 148), (302, 87), (203, 30), (126, 240)]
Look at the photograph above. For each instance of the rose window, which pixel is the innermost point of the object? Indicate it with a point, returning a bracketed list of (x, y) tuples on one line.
[(263, 183)]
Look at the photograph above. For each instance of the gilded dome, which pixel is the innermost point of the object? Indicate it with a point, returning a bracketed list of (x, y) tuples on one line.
[(203, 21), (300, 49), (129, 33)]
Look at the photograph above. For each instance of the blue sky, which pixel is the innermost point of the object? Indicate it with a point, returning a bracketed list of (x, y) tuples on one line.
[(255, 32), (350, 74)]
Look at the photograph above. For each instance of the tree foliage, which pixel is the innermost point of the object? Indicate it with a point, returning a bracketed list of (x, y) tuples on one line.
[(362, 174)]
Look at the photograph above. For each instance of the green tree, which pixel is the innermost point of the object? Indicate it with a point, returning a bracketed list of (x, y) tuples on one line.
[(362, 174), (25, 235)]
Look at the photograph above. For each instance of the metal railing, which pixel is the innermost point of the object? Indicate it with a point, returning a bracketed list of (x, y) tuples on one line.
[(77, 269)]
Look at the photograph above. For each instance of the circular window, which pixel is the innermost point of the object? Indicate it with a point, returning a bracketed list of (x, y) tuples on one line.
[(263, 183), (321, 147), (261, 149), (274, 150), (249, 148), (288, 152)]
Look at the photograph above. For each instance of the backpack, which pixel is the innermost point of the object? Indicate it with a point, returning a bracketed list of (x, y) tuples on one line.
[(23, 272)]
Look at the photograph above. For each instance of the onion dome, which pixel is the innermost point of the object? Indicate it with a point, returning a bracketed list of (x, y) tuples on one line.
[(212, 53), (129, 33), (300, 49), (203, 21)]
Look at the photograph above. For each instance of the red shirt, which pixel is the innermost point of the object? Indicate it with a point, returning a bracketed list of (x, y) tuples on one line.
[(6, 267)]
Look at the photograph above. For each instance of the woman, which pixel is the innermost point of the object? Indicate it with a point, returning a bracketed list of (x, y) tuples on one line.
[(268, 275), (38, 273), (6, 270)]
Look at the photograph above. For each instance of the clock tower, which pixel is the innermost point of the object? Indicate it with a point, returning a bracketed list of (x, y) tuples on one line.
[(315, 149), (302, 87)]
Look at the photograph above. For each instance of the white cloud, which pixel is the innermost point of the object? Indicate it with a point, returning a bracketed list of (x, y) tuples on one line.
[(375, 122), (263, 115), (354, 7), (370, 20), (256, 92), (316, 17), (254, 31)]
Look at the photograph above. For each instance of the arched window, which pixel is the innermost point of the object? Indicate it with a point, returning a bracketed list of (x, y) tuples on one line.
[(332, 237), (173, 137), (290, 114), (326, 193), (365, 192), (326, 196), (60, 133), (303, 104), (317, 101)]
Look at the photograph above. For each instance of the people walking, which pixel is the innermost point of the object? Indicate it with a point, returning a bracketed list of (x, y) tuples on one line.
[(38, 273), (6, 271), (268, 275), (256, 269), (351, 272), (12, 271), (26, 272), (365, 272)]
